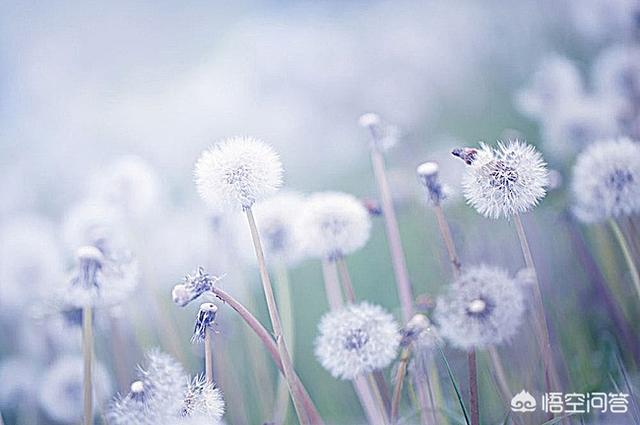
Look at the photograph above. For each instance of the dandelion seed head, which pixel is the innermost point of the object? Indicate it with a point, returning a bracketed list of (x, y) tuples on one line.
[(94, 223), (606, 180), (18, 377), (30, 261), (61, 393), (133, 408), (483, 307), (617, 71), (505, 181), (578, 123), (277, 219), (369, 119), (334, 224), (356, 339), (130, 184), (203, 400), (238, 171), (556, 80)]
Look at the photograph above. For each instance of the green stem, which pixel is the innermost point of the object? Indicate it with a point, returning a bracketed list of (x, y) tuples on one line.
[(628, 257), (290, 375)]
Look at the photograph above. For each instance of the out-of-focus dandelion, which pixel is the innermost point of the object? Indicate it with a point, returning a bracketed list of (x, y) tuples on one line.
[(238, 172), (203, 333), (19, 384), (505, 181), (379, 137), (606, 186), (357, 339), (133, 408), (483, 307), (577, 123), (606, 180), (61, 389), (334, 224), (202, 400), (95, 223), (130, 184), (30, 262), (555, 81)]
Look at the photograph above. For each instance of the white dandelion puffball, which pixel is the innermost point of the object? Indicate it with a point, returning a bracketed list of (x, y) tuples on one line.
[(19, 384), (94, 222), (61, 388), (356, 339), (617, 71), (334, 224), (130, 184), (238, 171), (556, 80), (606, 180), (483, 307), (202, 400), (578, 123), (505, 181), (277, 219), (31, 261)]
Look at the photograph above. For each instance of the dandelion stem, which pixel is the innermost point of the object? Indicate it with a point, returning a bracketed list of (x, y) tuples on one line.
[(628, 257), (87, 351), (269, 345), (345, 278), (393, 233), (208, 354), (474, 410), (550, 372), (401, 372), (287, 366), (331, 284), (445, 232), (283, 292)]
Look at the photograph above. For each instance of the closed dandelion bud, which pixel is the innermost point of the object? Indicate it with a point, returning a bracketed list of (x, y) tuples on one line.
[(384, 135), (606, 180), (334, 224), (482, 308), (205, 319), (357, 339), (428, 175), (238, 172), (505, 181)]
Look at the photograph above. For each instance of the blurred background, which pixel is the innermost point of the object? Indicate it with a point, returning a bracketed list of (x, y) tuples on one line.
[(86, 87)]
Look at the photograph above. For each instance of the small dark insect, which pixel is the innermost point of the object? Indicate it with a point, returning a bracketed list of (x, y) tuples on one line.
[(468, 155)]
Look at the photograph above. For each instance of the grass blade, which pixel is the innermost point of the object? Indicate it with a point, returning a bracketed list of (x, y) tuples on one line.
[(455, 387)]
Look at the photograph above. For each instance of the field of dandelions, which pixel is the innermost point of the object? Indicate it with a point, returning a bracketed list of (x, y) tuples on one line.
[(384, 213)]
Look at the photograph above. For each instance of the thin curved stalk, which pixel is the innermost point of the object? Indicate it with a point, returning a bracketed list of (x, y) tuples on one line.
[(474, 408), (628, 257), (269, 345), (87, 352), (399, 263), (274, 315), (445, 232)]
